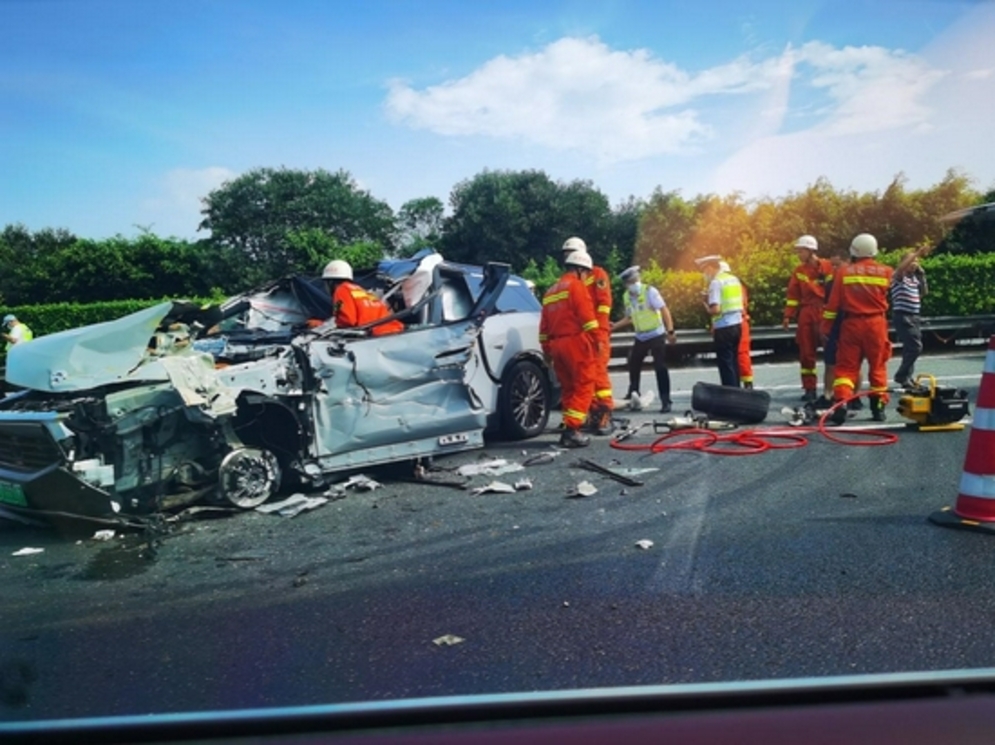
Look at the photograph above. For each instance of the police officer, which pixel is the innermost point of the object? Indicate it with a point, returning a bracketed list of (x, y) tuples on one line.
[(16, 332), (724, 302), (648, 314)]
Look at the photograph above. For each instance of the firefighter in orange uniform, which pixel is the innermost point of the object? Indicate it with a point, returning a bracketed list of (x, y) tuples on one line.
[(352, 305), (568, 333), (806, 300), (860, 294), (599, 285)]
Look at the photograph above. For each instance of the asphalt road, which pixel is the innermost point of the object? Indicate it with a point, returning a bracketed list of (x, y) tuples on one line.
[(811, 561)]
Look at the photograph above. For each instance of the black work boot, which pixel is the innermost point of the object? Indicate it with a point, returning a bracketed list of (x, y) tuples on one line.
[(571, 438), (603, 423), (877, 409), (839, 415)]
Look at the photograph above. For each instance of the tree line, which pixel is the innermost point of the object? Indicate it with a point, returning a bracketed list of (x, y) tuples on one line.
[(270, 222)]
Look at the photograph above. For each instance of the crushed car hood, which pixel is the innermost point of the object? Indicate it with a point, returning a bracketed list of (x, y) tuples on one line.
[(90, 356)]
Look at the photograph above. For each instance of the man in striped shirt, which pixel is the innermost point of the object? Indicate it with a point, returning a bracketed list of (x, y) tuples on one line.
[(908, 287)]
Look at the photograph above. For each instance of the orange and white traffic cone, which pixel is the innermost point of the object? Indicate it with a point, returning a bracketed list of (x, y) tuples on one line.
[(975, 507)]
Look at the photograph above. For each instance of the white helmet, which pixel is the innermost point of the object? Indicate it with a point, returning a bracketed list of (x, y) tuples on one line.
[(337, 269), (864, 246), (574, 244), (807, 241), (579, 258)]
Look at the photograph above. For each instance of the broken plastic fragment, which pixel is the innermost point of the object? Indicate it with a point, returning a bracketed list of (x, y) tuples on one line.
[(644, 544), (27, 551), (494, 467), (583, 489), (103, 535), (495, 487), (541, 458), (292, 505), (361, 482), (448, 640), (523, 484)]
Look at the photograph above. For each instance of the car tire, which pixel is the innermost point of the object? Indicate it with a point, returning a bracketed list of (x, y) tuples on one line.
[(524, 401), (736, 404), (247, 477)]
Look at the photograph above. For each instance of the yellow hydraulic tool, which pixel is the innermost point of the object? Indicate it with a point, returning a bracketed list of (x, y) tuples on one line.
[(933, 408)]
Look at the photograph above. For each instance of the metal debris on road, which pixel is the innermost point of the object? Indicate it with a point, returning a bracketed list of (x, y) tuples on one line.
[(644, 544), (448, 640), (590, 465), (27, 551), (495, 487), (541, 459), (495, 467), (583, 489), (292, 505)]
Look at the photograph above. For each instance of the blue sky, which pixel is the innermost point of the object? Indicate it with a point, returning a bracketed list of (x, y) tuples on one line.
[(116, 114)]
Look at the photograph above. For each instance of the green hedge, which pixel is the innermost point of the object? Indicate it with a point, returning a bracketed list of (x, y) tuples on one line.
[(958, 286)]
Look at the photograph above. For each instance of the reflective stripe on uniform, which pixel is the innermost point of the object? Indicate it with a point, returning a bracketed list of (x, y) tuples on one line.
[(864, 279)]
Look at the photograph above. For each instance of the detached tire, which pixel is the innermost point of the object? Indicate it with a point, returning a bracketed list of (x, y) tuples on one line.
[(741, 405), (523, 401)]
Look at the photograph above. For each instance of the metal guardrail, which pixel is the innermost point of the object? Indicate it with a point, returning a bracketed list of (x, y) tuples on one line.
[(937, 331)]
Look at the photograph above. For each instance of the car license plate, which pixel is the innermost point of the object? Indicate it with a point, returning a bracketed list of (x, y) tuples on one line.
[(12, 494)]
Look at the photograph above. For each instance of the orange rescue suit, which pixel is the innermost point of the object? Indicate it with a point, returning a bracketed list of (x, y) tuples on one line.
[(568, 329), (743, 358), (860, 294), (806, 298), (599, 285), (354, 306)]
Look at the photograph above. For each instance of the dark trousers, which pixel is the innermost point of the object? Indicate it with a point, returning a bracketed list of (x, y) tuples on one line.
[(909, 335), (726, 341), (657, 346)]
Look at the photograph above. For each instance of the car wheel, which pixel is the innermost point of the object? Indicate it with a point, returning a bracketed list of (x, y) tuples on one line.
[(248, 477), (524, 401)]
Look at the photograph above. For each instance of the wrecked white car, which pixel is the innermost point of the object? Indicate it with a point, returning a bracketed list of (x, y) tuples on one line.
[(178, 404)]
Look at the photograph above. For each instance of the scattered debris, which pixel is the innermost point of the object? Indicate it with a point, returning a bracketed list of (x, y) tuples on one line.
[(103, 535), (292, 505), (629, 432), (848, 495), (541, 459), (448, 640), (27, 551), (361, 482), (583, 489), (495, 467), (644, 544), (523, 485), (590, 465), (495, 487), (203, 511)]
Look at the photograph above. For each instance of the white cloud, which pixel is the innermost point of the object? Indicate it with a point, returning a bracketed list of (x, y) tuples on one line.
[(580, 95), (871, 88), (577, 94)]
